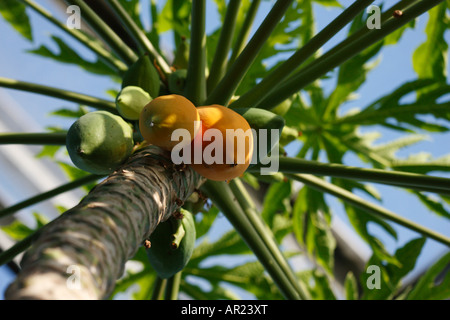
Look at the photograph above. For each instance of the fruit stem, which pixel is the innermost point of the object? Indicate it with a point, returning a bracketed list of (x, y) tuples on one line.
[(258, 92), (158, 288), (225, 89), (222, 196), (349, 197), (219, 63), (139, 36), (245, 30), (173, 287), (178, 234), (95, 46), (94, 102), (394, 178), (49, 194), (51, 138), (249, 208), (195, 89), (339, 55), (105, 32)]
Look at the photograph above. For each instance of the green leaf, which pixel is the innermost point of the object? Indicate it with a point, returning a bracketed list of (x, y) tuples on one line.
[(17, 230), (15, 13), (351, 287), (70, 113), (48, 151), (389, 111), (360, 221), (430, 58), (67, 55), (229, 243), (208, 217), (311, 225), (352, 73), (432, 204), (429, 286), (318, 285), (422, 163), (276, 201), (74, 173), (392, 274), (248, 276)]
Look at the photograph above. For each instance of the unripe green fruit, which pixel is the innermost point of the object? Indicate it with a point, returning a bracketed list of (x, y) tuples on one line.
[(262, 119), (130, 102), (283, 107), (143, 74), (177, 81), (98, 142), (166, 260)]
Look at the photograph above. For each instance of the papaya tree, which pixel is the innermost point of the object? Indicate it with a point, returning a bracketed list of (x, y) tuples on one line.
[(141, 206)]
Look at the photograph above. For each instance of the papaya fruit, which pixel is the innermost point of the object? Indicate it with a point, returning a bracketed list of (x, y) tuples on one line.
[(98, 142), (131, 100), (163, 115), (222, 160), (283, 107), (167, 253), (143, 74), (177, 81), (260, 119)]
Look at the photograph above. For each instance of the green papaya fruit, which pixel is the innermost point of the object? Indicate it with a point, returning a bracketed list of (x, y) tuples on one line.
[(177, 81), (130, 102), (143, 74), (283, 107), (181, 58), (98, 142), (288, 135), (259, 119), (165, 257)]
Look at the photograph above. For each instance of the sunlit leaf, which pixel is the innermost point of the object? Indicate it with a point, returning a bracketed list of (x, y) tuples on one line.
[(68, 55), (391, 274), (15, 13), (430, 58), (435, 283)]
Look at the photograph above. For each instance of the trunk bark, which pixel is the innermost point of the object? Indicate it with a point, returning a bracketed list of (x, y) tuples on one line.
[(80, 254)]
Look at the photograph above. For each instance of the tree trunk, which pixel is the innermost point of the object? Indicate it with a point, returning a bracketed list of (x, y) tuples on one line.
[(81, 254)]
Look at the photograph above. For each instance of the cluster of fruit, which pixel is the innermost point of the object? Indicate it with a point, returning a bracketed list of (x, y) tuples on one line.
[(100, 141)]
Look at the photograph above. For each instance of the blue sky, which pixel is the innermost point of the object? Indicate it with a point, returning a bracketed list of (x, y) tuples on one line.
[(15, 63)]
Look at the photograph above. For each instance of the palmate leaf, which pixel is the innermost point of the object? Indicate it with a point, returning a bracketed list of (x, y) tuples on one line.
[(15, 13), (429, 286), (249, 276), (389, 111), (422, 163), (430, 58), (276, 200), (229, 243), (17, 230), (318, 284), (68, 55), (391, 274), (432, 204), (175, 16), (351, 287), (311, 224)]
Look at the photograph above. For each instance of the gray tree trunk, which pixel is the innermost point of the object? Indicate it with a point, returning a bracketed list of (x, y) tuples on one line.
[(81, 254)]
